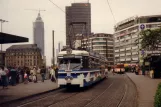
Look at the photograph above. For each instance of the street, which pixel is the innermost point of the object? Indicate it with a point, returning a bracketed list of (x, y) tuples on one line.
[(116, 91)]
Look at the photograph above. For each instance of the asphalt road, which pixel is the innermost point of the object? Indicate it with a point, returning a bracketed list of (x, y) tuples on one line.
[(116, 91)]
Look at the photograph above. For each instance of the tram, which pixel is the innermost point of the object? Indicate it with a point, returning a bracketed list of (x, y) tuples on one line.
[(119, 68), (80, 68)]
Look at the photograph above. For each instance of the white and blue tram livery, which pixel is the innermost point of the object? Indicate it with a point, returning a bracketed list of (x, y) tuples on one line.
[(80, 67)]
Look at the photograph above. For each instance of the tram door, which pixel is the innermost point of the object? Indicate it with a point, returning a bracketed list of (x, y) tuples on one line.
[(85, 62)]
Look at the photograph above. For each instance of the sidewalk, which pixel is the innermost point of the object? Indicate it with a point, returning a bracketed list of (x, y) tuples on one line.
[(24, 90), (146, 88)]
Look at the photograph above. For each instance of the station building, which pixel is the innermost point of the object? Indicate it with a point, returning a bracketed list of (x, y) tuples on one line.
[(125, 36), (28, 55)]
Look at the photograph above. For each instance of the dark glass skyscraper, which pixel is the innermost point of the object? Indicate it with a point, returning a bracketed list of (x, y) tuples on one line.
[(78, 12), (38, 32)]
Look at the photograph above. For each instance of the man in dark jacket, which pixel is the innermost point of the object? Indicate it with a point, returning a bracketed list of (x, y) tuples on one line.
[(42, 72), (56, 72), (13, 74)]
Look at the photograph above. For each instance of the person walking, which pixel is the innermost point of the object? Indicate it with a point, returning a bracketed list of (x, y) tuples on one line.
[(13, 73), (25, 78), (56, 72), (34, 75), (106, 72), (52, 73), (3, 75), (42, 72)]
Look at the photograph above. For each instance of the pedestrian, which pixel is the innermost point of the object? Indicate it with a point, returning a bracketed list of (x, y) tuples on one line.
[(22, 74), (113, 71), (49, 72), (52, 73), (42, 72), (106, 72), (17, 75), (25, 78), (56, 72), (3, 75), (13, 73), (34, 75)]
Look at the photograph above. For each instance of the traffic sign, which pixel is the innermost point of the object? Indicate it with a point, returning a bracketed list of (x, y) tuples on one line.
[(142, 26)]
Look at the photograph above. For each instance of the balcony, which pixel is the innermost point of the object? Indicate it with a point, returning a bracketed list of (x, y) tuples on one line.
[(122, 59), (135, 58), (128, 54), (122, 54), (128, 59), (122, 50), (122, 40), (134, 53), (116, 50), (134, 36), (127, 38), (128, 48), (135, 47)]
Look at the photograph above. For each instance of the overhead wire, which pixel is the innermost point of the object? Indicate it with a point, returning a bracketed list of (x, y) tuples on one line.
[(111, 11), (60, 8), (57, 6)]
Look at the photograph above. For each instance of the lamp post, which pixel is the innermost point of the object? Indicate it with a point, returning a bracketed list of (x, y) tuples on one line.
[(2, 21)]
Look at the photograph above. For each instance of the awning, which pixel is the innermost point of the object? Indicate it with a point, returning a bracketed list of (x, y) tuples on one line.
[(9, 38)]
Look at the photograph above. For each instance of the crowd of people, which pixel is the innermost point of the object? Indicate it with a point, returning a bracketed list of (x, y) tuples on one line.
[(16, 75)]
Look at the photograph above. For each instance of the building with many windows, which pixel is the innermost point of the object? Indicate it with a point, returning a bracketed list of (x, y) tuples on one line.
[(126, 34), (101, 43), (77, 12), (28, 55)]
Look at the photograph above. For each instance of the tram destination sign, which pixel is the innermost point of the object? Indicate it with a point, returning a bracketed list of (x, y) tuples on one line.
[(69, 56)]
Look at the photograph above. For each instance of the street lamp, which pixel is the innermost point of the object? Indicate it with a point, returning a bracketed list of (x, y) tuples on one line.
[(2, 21)]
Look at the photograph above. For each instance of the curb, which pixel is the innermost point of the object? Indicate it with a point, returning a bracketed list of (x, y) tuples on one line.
[(30, 96), (137, 96)]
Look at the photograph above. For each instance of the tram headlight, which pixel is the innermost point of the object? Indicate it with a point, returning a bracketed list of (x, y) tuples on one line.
[(66, 78), (71, 78)]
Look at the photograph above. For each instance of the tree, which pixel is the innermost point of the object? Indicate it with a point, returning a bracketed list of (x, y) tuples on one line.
[(149, 39)]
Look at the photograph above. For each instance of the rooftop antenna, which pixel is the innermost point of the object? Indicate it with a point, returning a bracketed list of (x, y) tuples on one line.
[(39, 10)]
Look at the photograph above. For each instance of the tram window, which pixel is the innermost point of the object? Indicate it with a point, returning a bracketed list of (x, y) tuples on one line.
[(71, 60)]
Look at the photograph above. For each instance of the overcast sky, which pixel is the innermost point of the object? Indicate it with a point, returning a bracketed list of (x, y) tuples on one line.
[(21, 20)]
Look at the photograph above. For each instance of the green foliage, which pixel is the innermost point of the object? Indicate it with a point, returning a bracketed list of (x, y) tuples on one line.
[(149, 39), (157, 102)]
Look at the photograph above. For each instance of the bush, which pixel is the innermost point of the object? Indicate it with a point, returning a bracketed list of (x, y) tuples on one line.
[(157, 102)]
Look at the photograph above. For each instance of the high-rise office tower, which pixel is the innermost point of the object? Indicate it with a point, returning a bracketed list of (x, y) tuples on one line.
[(78, 12), (38, 32)]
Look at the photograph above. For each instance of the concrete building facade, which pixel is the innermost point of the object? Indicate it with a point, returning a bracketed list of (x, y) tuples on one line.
[(78, 12), (28, 55), (126, 34), (101, 43), (38, 32)]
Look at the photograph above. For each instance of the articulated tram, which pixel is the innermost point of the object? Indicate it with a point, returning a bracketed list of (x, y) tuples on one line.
[(80, 68)]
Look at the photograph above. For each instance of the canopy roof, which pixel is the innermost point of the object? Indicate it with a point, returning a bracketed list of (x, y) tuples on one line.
[(9, 38)]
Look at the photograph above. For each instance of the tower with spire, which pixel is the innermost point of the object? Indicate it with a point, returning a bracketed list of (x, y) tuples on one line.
[(38, 32)]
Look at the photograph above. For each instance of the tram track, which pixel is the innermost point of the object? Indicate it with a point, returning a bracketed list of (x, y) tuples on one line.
[(99, 95), (83, 98), (110, 97)]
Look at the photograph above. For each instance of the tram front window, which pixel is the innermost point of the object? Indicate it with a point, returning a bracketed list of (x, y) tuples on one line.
[(71, 63)]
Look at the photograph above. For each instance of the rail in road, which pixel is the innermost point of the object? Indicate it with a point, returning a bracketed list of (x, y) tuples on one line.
[(116, 91)]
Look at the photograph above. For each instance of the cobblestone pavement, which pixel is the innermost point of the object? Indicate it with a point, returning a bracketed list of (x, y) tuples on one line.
[(116, 91)]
